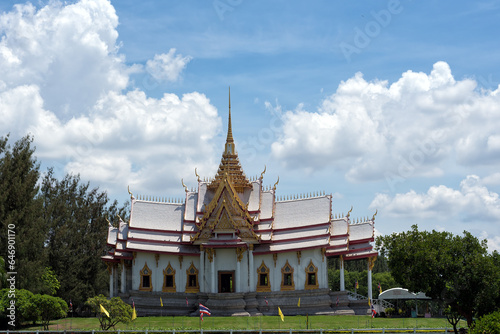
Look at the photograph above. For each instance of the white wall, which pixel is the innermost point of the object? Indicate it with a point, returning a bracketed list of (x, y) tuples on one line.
[(157, 272)]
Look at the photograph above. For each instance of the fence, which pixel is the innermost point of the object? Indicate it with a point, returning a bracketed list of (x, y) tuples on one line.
[(262, 331)]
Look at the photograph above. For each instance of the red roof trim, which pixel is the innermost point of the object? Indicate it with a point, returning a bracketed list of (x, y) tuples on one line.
[(362, 256), (294, 228), (301, 238), (339, 236), (356, 250), (334, 253), (338, 246), (160, 231), (287, 250), (165, 242), (162, 252), (361, 241)]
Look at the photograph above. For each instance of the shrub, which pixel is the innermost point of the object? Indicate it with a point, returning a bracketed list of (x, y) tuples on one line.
[(488, 324)]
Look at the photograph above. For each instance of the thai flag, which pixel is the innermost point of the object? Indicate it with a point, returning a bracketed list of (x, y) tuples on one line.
[(265, 298), (337, 303), (373, 311), (204, 310)]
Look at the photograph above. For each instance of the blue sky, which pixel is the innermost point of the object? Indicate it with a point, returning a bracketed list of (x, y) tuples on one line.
[(389, 105)]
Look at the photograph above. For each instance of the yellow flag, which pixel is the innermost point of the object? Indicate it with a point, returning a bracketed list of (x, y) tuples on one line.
[(298, 304), (103, 310), (161, 302), (369, 303), (134, 315), (281, 314)]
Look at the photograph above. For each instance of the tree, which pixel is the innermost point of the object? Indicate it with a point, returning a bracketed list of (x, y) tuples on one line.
[(50, 284), (49, 308), (455, 270), (488, 324), (20, 211), (3, 274), (75, 217), (25, 308), (118, 311)]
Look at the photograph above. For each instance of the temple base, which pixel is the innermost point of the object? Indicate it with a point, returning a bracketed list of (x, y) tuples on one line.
[(312, 302)]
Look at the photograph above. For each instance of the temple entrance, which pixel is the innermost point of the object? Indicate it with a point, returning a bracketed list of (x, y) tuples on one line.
[(226, 281)]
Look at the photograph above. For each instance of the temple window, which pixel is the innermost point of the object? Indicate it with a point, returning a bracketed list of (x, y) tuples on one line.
[(146, 284), (287, 282), (169, 279), (192, 285), (263, 283), (311, 276)]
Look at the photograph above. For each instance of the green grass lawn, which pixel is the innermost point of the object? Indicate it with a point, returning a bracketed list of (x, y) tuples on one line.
[(263, 322)]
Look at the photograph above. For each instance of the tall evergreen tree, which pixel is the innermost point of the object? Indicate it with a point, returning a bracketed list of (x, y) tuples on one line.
[(20, 211), (76, 218)]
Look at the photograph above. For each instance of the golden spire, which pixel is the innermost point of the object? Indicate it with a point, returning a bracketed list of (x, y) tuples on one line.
[(229, 127), (230, 165)]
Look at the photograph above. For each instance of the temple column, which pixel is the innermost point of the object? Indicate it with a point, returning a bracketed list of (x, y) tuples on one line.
[(211, 258), (202, 269), (251, 273), (238, 275), (111, 268), (342, 277), (115, 277), (123, 278), (371, 263), (324, 281)]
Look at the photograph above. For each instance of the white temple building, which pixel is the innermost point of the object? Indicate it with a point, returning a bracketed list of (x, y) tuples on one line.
[(235, 247)]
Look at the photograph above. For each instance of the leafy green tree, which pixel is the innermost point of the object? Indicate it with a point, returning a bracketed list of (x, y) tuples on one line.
[(50, 308), (20, 211), (76, 222), (455, 270), (50, 284), (25, 308), (118, 311)]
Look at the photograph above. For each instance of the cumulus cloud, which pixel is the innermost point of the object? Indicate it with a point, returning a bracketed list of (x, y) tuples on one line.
[(371, 130), (472, 205), (167, 66), (70, 52), (63, 80)]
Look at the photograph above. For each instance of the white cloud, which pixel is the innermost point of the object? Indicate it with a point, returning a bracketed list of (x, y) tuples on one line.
[(376, 131), (63, 80), (492, 180), (471, 207), (69, 52), (471, 204), (167, 66)]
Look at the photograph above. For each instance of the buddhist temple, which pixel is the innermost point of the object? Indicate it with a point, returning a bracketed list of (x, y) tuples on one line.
[(236, 246)]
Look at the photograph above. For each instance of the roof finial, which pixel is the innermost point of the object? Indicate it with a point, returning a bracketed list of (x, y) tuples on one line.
[(229, 127)]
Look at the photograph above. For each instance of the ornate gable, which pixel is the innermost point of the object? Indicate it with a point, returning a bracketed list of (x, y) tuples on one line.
[(225, 214)]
